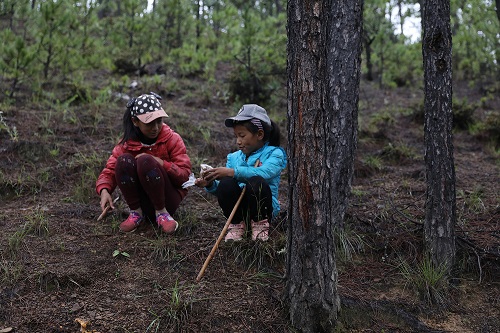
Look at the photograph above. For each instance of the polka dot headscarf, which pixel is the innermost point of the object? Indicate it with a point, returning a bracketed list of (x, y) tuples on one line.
[(144, 104)]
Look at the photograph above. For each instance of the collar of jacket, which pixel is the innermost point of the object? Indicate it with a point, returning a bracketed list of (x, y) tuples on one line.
[(257, 153), (165, 134)]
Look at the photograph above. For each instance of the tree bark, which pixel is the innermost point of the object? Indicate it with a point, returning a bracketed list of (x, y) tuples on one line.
[(497, 5), (324, 48), (440, 217)]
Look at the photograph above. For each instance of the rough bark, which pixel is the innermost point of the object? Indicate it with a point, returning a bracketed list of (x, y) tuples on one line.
[(440, 217), (324, 47)]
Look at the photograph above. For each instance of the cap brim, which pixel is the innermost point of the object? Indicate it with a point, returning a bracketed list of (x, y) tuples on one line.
[(229, 122), (150, 116)]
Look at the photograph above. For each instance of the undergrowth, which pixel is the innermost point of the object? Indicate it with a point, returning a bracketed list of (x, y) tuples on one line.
[(427, 280)]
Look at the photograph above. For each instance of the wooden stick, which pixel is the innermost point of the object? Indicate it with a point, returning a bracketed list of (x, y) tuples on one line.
[(103, 213), (106, 210), (223, 232)]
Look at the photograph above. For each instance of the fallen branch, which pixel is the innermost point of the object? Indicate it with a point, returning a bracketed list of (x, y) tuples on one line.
[(106, 209)]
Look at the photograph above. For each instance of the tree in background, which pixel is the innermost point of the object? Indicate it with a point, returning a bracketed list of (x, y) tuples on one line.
[(476, 41), (258, 50), (52, 34), (247, 36), (440, 206), (390, 58), (16, 60), (168, 16), (324, 60), (377, 30), (497, 3), (17, 55)]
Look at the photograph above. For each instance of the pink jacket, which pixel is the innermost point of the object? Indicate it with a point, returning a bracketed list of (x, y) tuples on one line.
[(169, 147)]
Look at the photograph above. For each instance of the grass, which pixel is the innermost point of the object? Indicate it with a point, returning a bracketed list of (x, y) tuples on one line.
[(11, 130), (347, 243), (428, 280), (171, 317), (88, 167), (10, 271), (37, 223), (188, 221), (373, 162), (472, 200), (257, 254), (29, 180), (163, 248), (98, 104), (398, 151), (358, 192)]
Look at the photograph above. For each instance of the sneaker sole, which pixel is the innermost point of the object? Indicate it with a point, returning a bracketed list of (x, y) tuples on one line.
[(233, 240), (128, 232)]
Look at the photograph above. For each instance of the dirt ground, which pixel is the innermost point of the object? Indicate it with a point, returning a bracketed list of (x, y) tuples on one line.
[(71, 268)]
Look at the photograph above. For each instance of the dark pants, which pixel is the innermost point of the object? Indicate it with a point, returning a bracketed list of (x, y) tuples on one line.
[(145, 184), (256, 203)]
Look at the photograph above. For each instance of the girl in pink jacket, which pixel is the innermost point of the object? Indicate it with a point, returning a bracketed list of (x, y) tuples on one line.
[(149, 165)]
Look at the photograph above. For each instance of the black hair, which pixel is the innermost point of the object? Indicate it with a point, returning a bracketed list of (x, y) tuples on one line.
[(130, 131), (271, 132)]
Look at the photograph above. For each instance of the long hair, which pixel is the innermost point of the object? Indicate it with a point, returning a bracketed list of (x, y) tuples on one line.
[(271, 132), (130, 132)]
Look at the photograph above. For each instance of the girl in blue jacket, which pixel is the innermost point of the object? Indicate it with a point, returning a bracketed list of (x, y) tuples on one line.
[(257, 165)]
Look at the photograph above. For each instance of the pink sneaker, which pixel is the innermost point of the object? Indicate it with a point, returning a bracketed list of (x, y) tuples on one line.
[(131, 223), (235, 232), (260, 230), (167, 223)]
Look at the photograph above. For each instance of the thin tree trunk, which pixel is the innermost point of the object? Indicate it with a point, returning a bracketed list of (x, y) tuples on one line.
[(439, 234), (497, 4), (401, 18), (367, 42), (198, 23), (324, 48)]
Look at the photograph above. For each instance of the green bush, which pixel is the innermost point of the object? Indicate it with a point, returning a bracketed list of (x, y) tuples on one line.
[(463, 114)]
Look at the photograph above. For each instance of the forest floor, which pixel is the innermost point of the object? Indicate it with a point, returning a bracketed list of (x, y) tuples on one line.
[(58, 265)]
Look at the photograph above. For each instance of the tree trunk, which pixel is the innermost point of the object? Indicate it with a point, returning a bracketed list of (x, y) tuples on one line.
[(324, 49), (198, 24), (497, 4), (401, 18), (440, 206), (367, 42)]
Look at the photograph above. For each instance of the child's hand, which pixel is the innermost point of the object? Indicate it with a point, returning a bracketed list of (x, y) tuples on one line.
[(217, 173), (106, 200), (200, 182), (159, 160)]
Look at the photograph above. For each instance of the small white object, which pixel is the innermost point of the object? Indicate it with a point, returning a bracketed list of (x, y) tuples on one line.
[(134, 84), (192, 178), (190, 181), (204, 167)]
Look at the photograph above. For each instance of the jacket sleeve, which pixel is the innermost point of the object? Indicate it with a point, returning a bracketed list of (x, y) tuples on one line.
[(179, 165), (269, 168), (106, 179), (212, 189)]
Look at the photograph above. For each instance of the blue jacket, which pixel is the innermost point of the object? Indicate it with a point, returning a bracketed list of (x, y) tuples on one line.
[(272, 160)]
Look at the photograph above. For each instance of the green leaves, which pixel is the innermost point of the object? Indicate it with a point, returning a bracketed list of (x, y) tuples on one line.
[(59, 39), (120, 253)]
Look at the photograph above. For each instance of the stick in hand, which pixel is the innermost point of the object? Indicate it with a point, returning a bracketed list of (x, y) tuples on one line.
[(106, 210)]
